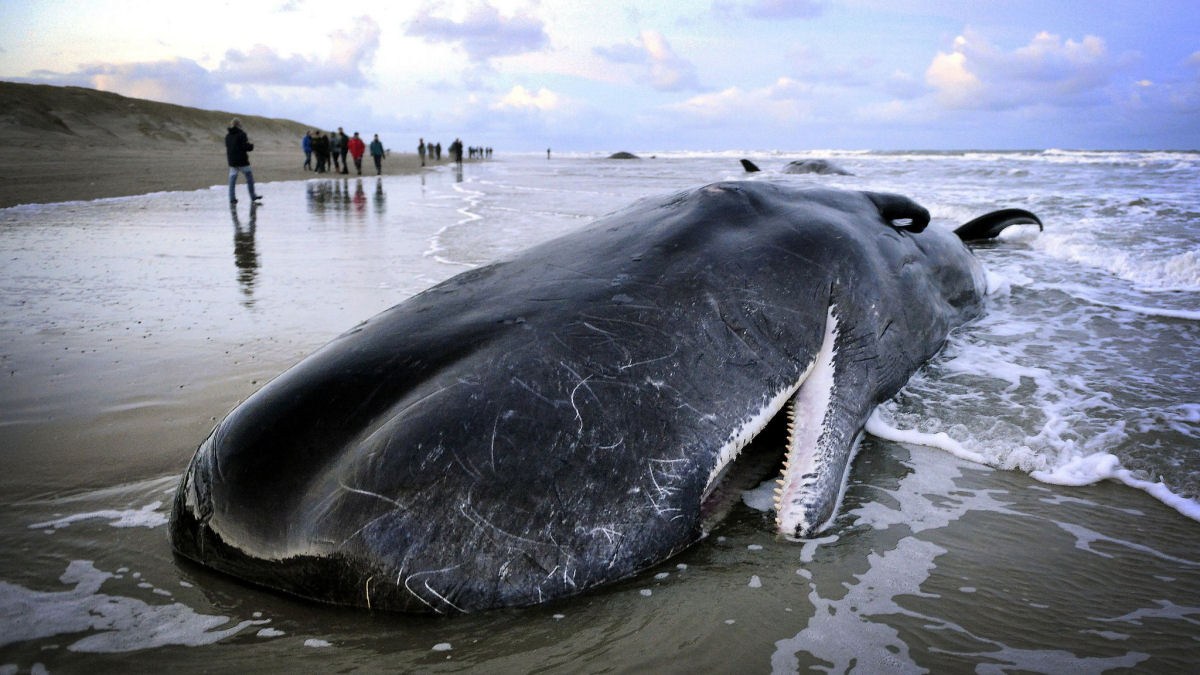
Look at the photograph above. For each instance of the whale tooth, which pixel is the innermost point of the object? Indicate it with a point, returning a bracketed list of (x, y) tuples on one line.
[(779, 490)]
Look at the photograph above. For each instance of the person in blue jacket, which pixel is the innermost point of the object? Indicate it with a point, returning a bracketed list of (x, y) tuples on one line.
[(306, 144), (237, 151), (377, 154)]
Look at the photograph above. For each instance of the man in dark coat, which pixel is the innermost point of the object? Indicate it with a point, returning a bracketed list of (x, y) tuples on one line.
[(237, 151), (343, 146), (321, 148)]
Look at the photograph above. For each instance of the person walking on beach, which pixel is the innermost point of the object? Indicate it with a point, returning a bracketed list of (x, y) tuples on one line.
[(356, 151), (421, 151), (343, 146), (438, 151), (306, 144), (333, 151), (377, 154), (237, 151), (321, 148), (456, 151)]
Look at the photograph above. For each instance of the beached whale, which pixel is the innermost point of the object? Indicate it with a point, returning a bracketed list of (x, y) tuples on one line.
[(534, 428), (823, 167), (817, 166)]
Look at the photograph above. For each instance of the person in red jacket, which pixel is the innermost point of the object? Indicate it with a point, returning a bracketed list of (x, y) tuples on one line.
[(356, 148)]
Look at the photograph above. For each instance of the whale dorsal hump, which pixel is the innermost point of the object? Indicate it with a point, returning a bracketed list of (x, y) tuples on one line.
[(899, 211)]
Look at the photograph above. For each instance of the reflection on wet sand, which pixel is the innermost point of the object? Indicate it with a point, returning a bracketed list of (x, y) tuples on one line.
[(245, 255), (333, 195), (380, 201)]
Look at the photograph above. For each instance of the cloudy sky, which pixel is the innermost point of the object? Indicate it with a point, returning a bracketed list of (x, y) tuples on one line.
[(646, 75)]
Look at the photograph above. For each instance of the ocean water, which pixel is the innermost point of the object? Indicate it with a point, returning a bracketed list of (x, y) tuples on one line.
[(1029, 502)]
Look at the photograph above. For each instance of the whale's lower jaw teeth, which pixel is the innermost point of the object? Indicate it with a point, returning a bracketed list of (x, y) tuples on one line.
[(802, 498)]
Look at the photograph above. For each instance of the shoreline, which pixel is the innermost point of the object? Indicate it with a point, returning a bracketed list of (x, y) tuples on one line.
[(33, 175)]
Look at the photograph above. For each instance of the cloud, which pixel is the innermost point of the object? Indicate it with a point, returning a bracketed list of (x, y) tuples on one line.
[(887, 111), (1176, 92), (787, 101), (1049, 70), (180, 81), (258, 80), (811, 66), (903, 85), (661, 67), (351, 54), (784, 9), (520, 98), (484, 34), (771, 9)]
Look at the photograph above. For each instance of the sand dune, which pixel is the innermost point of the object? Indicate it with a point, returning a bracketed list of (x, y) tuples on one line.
[(72, 143)]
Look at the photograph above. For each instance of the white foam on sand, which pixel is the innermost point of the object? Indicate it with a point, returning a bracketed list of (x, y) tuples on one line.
[(855, 607), (113, 623), (148, 516), (1075, 466)]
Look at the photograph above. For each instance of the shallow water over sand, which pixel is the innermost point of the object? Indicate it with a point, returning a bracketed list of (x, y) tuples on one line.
[(131, 325)]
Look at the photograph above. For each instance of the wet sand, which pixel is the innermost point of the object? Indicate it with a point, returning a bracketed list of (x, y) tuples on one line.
[(41, 175)]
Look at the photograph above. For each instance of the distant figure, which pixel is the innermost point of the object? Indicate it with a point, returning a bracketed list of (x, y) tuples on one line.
[(456, 149), (377, 154), (333, 151), (237, 151), (343, 146), (438, 151), (306, 143), (421, 151), (356, 151), (547, 153)]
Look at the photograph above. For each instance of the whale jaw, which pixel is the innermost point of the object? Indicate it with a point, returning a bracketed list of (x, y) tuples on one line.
[(816, 460)]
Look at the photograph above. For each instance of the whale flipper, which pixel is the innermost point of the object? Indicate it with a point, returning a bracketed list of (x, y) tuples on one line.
[(749, 166), (990, 225)]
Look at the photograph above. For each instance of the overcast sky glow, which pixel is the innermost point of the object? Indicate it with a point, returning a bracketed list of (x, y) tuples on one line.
[(648, 74)]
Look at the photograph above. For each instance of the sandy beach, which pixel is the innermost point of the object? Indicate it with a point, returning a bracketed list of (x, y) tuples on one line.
[(39, 176), (66, 143), (133, 325)]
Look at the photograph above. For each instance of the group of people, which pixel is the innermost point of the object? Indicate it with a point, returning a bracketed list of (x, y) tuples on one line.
[(331, 151), (434, 151)]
